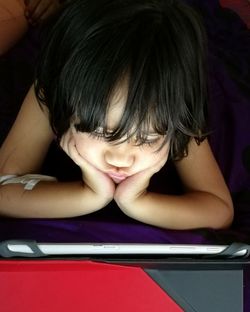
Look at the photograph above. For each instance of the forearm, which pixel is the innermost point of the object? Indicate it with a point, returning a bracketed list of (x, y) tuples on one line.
[(189, 211), (49, 200)]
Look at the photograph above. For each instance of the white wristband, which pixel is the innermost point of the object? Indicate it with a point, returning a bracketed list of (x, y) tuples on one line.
[(29, 180)]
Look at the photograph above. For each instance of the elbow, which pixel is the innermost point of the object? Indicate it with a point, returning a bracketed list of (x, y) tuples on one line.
[(225, 217)]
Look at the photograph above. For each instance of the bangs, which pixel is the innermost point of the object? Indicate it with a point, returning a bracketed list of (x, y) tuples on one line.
[(141, 114), (153, 50)]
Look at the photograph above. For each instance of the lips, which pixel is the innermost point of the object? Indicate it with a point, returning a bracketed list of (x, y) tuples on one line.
[(117, 178)]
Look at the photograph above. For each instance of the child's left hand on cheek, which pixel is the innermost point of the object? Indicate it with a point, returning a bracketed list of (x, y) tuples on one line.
[(130, 193)]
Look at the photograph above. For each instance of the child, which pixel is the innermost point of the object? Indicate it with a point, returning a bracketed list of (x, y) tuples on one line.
[(121, 85)]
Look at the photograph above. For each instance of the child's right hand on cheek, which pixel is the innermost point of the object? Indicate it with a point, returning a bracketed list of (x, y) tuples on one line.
[(97, 181)]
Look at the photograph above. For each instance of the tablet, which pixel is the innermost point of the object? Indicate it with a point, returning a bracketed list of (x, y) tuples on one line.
[(34, 249)]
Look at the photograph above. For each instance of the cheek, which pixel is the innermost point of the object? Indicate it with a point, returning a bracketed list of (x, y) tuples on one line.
[(88, 148), (150, 158), (81, 145)]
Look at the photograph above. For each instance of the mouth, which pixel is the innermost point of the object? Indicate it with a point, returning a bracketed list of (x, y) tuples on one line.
[(117, 178)]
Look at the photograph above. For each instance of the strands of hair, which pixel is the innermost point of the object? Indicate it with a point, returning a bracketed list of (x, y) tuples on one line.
[(153, 49)]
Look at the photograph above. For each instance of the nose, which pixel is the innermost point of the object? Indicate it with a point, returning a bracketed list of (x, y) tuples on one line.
[(120, 156)]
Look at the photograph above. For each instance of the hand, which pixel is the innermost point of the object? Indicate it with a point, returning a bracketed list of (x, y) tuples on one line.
[(38, 10), (98, 182), (131, 191)]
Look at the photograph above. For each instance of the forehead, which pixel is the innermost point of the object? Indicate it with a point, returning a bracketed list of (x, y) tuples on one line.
[(117, 108)]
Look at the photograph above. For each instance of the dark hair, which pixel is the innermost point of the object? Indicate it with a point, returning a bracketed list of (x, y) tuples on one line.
[(157, 45)]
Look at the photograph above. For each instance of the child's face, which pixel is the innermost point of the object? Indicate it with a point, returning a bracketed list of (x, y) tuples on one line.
[(122, 160)]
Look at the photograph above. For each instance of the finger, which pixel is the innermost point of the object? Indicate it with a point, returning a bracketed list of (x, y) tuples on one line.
[(79, 160), (67, 143), (39, 10), (31, 5), (29, 10), (74, 154), (50, 10), (64, 142), (46, 13)]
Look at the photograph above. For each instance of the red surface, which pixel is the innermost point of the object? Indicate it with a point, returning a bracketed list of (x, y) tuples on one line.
[(241, 7), (52, 285)]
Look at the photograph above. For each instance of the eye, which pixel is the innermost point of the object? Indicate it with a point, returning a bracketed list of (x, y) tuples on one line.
[(101, 133), (98, 132), (149, 140)]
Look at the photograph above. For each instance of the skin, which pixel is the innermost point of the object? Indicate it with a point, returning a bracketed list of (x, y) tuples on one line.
[(127, 165), (206, 203), (16, 16)]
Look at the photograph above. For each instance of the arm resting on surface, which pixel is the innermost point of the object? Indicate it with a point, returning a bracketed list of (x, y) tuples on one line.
[(23, 153), (189, 211), (206, 204), (49, 200)]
